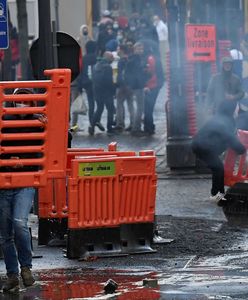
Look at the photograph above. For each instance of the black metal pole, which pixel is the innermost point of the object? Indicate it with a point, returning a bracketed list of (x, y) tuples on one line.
[(179, 154), (176, 11), (45, 53)]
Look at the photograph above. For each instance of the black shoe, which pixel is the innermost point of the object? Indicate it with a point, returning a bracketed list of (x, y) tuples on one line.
[(100, 126), (12, 284), (91, 130)]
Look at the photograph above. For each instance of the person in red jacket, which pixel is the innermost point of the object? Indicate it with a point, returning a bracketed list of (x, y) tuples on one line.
[(151, 89)]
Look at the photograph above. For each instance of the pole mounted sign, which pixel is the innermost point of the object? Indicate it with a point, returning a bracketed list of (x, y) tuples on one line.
[(200, 42), (4, 36)]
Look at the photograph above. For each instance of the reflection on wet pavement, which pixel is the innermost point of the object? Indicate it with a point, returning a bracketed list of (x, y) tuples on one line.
[(196, 283)]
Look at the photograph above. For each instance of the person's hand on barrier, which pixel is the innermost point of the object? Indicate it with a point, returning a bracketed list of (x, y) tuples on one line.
[(18, 163)]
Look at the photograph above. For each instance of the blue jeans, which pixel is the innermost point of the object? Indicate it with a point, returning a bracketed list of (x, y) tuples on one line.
[(15, 205)]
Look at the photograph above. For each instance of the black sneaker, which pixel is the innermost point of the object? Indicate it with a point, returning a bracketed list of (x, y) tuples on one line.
[(91, 130), (12, 284), (100, 126), (27, 276)]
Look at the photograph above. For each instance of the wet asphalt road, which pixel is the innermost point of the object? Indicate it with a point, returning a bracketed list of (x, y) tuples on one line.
[(172, 274)]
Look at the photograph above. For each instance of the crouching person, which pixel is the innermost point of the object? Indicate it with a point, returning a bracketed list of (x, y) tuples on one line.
[(16, 203), (213, 139)]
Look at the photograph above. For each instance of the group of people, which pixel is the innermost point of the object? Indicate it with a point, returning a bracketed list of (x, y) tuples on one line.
[(228, 106), (123, 65)]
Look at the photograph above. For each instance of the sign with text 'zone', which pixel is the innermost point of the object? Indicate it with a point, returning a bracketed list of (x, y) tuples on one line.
[(200, 42), (4, 37)]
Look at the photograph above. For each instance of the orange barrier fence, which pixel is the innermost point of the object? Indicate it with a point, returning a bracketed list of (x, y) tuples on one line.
[(109, 191), (236, 166), (32, 151), (53, 197)]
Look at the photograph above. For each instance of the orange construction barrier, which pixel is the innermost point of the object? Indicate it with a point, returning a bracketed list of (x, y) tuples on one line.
[(53, 196), (236, 166), (42, 147), (110, 191), (138, 183), (111, 202), (94, 193)]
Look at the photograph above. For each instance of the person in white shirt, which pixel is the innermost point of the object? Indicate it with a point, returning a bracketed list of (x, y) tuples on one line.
[(162, 31)]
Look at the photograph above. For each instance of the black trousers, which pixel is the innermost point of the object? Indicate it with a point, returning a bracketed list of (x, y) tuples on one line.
[(91, 102), (216, 166), (149, 103), (101, 101)]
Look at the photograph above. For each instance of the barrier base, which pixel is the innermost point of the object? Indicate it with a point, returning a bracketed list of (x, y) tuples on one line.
[(179, 152), (137, 238), (236, 206), (51, 231), (101, 242)]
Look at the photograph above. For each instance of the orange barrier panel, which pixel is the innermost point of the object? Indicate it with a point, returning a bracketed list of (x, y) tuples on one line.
[(42, 147), (73, 155), (93, 193), (236, 166), (84, 149), (53, 199), (111, 191), (53, 196), (138, 184)]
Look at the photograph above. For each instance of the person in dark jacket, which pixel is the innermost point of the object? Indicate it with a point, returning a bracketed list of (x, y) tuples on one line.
[(104, 37), (224, 86), (104, 90), (84, 80), (136, 75), (147, 31), (124, 93), (214, 138)]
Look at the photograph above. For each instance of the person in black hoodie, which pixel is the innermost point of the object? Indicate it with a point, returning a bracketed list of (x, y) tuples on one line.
[(84, 80), (104, 90), (214, 138), (135, 76)]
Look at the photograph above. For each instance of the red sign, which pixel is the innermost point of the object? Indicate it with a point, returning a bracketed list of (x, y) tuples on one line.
[(200, 42)]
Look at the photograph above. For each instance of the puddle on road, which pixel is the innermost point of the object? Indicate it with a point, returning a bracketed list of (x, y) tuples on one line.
[(191, 284)]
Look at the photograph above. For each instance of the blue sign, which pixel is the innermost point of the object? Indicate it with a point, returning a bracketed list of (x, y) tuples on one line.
[(4, 36)]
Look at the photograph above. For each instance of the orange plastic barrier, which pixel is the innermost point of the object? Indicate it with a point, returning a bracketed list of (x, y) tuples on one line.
[(47, 141), (236, 166), (138, 184), (93, 193), (105, 192), (53, 197)]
